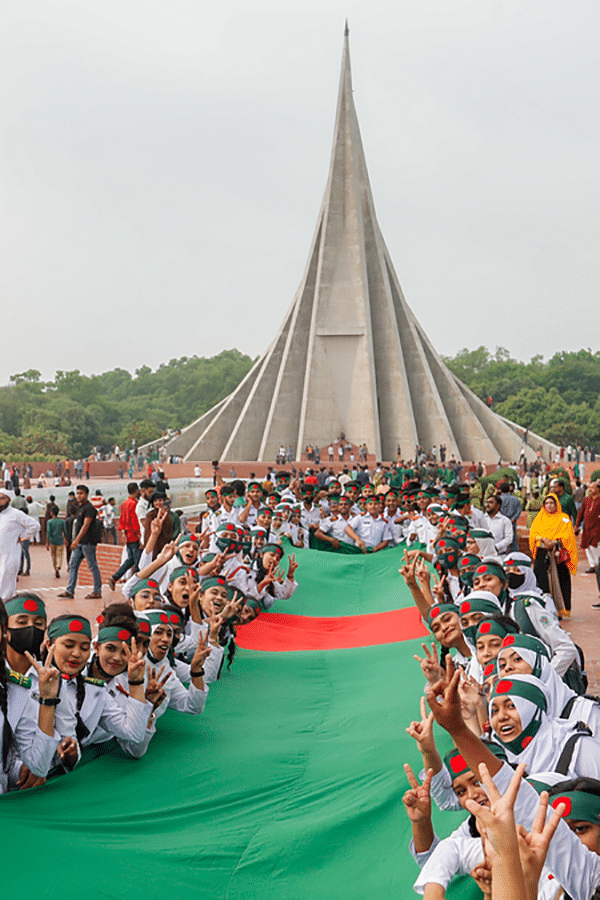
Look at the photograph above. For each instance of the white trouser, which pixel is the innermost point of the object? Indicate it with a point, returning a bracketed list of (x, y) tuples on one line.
[(592, 553)]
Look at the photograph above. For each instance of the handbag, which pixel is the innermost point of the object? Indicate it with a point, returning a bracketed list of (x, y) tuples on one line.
[(561, 554)]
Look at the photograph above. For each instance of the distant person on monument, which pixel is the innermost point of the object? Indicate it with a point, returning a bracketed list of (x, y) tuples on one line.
[(84, 545)]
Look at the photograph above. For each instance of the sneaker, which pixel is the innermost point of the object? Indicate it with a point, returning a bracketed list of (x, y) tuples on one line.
[(66, 595), (93, 596)]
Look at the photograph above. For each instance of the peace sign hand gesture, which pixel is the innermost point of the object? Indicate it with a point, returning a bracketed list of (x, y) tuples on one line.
[(417, 800), (200, 656), (155, 693), (430, 664), (48, 676), (292, 567)]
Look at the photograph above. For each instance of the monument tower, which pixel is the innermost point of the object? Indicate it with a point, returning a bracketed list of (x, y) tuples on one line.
[(350, 356)]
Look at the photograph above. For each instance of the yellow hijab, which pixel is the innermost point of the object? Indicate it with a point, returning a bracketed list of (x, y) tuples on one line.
[(555, 527)]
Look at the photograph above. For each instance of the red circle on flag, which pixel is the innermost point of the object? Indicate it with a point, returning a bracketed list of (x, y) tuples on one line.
[(458, 764), (566, 801)]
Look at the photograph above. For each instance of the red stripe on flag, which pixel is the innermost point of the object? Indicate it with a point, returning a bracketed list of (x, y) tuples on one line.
[(280, 632)]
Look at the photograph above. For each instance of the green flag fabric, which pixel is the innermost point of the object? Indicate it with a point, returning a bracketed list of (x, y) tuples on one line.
[(288, 787)]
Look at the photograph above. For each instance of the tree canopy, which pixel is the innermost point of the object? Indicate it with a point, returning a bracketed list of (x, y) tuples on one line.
[(74, 412), (558, 399)]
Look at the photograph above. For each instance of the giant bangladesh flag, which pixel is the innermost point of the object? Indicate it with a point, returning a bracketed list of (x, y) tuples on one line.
[(289, 785)]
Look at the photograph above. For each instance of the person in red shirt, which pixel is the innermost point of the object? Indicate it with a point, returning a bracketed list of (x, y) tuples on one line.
[(128, 522)]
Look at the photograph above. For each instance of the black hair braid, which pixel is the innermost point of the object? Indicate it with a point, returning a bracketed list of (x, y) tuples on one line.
[(230, 652), (81, 730), (7, 734)]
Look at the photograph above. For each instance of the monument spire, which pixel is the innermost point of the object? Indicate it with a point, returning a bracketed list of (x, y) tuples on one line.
[(350, 356)]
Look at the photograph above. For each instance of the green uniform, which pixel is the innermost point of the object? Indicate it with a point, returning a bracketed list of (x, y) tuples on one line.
[(55, 530)]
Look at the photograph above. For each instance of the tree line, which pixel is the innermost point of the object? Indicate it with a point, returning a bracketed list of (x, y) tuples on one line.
[(68, 416), (559, 398), (73, 413)]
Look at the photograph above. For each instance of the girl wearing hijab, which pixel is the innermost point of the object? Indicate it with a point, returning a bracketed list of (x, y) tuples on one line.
[(552, 531), (534, 613), (522, 654), (518, 716)]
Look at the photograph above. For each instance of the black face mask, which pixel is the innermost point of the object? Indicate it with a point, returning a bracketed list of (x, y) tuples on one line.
[(26, 639), (515, 580)]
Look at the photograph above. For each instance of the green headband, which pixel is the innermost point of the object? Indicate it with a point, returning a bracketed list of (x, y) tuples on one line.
[(507, 687), (478, 604), (455, 764), (213, 581), (490, 568), (187, 539), (144, 584), (156, 617), (30, 604), (581, 806), (491, 626), (114, 633), (480, 533), (527, 642), (469, 559), (72, 625), (271, 548), (439, 609), (182, 570)]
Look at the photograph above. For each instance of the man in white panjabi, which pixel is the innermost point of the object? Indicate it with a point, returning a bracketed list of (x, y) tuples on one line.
[(14, 525)]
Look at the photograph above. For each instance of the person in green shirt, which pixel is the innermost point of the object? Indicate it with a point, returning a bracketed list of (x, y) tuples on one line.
[(567, 504), (55, 539)]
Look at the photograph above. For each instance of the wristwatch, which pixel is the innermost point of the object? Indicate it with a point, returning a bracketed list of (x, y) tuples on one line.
[(45, 701)]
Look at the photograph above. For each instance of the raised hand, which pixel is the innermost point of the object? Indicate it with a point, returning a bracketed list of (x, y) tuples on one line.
[(444, 701), (168, 551), (482, 876), (293, 566), (155, 693), (201, 654), (430, 664), (417, 799), (408, 570), (136, 663), (48, 676), (533, 846), (497, 822), (422, 572), (422, 731)]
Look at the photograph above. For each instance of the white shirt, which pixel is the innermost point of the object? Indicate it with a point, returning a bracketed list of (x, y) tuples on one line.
[(371, 530), (502, 530), (336, 527), (455, 855)]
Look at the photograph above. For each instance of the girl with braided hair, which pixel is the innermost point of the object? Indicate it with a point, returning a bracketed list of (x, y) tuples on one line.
[(69, 639)]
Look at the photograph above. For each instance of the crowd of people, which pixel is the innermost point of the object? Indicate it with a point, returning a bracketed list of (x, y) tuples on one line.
[(508, 685), (502, 676)]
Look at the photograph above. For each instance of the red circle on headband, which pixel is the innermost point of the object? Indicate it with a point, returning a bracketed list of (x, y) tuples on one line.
[(503, 687), (144, 627), (458, 764), (174, 618), (566, 800), (465, 563), (508, 640), (442, 544), (191, 572), (152, 584), (30, 605), (164, 618), (481, 570), (434, 612), (230, 527), (123, 635), (485, 628), (465, 607), (194, 537), (489, 670), (75, 625)]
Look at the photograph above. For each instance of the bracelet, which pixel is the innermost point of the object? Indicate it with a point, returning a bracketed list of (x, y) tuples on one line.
[(135, 683), (198, 674), (46, 701)]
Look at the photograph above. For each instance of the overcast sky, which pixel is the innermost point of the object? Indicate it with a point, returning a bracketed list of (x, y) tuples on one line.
[(163, 163)]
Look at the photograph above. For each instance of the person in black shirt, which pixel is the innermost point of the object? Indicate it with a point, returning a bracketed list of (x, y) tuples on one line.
[(84, 545)]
